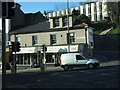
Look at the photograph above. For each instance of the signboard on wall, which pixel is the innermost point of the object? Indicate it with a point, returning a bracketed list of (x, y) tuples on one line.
[(56, 49), (90, 41), (26, 50)]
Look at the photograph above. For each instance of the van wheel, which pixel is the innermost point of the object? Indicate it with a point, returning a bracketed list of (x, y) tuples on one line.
[(66, 68), (91, 66)]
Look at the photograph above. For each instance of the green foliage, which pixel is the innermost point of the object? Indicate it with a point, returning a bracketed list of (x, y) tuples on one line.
[(114, 31), (80, 18), (76, 12), (83, 18), (101, 25)]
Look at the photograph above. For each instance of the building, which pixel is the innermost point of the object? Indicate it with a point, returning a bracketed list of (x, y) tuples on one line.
[(34, 30), (55, 37), (96, 11)]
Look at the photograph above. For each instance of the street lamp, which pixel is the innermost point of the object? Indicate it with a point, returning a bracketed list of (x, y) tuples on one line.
[(68, 26)]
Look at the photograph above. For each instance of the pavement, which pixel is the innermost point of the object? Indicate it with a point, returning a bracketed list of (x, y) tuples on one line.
[(52, 68)]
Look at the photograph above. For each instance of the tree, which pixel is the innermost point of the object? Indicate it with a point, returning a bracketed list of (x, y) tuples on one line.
[(80, 18), (84, 19), (75, 12), (113, 9)]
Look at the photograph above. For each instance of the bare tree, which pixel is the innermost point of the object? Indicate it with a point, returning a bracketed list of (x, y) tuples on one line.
[(113, 9)]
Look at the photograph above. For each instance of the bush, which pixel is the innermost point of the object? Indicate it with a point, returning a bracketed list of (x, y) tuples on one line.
[(114, 31), (101, 26)]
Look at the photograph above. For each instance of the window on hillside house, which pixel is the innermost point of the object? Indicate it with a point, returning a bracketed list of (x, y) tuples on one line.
[(56, 22), (34, 40), (70, 37), (84, 10), (52, 39), (89, 11), (64, 21)]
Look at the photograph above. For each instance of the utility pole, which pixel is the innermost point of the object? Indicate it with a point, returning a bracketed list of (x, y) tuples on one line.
[(3, 15), (14, 59), (44, 49), (3, 53), (68, 26)]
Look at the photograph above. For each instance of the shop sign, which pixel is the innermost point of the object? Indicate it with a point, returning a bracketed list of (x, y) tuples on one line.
[(56, 49), (26, 50)]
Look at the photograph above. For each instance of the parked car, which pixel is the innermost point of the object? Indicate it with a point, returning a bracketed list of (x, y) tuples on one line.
[(71, 60)]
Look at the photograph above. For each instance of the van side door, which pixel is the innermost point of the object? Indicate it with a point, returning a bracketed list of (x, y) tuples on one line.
[(80, 60)]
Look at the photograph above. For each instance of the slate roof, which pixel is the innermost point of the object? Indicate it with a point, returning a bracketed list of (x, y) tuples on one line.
[(39, 27), (42, 27)]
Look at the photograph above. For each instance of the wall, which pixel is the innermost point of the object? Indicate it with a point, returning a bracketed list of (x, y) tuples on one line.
[(44, 38), (107, 47)]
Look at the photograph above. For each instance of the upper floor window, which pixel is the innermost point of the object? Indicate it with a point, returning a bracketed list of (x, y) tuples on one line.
[(18, 39), (64, 21), (71, 37), (53, 39), (34, 40), (56, 22)]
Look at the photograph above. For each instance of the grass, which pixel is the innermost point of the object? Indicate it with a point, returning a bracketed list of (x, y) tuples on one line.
[(114, 31)]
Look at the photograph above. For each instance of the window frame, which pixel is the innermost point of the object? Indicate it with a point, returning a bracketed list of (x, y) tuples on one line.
[(72, 37), (34, 39), (53, 39), (64, 21), (56, 22)]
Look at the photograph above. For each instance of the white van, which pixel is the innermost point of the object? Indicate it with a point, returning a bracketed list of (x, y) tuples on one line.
[(71, 60)]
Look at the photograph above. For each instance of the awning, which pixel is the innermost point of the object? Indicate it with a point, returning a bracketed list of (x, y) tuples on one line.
[(26, 50), (56, 49)]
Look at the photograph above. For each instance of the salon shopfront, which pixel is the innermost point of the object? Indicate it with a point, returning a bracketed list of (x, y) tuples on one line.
[(28, 55)]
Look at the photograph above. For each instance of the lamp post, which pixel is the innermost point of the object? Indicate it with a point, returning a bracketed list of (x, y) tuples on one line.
[(68, 26)]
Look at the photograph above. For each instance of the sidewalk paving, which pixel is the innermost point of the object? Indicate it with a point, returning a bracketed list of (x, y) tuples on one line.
[(103, 64)]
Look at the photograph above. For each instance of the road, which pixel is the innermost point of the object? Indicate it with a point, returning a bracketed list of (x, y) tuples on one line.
[(103, 77)]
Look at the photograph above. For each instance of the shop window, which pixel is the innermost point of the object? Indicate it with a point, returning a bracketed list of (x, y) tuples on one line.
[(49, 58), (18, 39), (56, 22), (19, 59), (26, 59), (34, 40), (53, 39)]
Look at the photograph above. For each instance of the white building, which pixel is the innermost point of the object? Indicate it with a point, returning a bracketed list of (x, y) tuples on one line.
[(94, 10)]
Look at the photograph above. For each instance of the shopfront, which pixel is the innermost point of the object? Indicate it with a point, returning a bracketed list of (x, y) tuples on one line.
[(53, 53), (28, 55)]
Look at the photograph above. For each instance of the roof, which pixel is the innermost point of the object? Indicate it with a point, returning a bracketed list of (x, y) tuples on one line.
[(39, 27), (42, 27)]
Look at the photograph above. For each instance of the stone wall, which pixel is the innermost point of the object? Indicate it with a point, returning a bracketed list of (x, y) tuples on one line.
[(107, 47)]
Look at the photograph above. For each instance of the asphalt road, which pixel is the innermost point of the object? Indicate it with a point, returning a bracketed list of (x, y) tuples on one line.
[(104, 77)]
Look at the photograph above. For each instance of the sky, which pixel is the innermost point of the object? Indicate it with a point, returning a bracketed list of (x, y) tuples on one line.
[(32, 7)]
